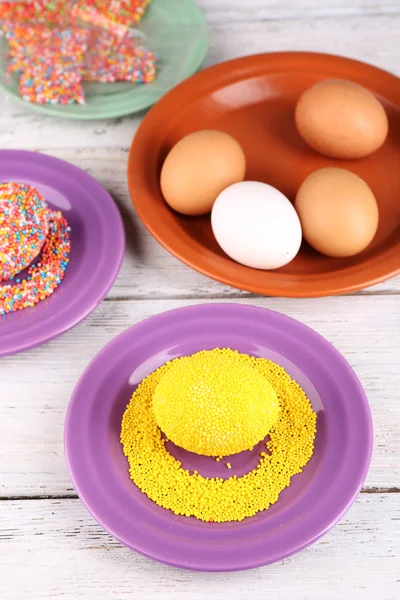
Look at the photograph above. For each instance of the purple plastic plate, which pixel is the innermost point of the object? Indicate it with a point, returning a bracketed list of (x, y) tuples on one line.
[(97, 248), (315, 500)]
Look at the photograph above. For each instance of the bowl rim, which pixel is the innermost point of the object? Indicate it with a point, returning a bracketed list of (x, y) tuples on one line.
[(381, 267)]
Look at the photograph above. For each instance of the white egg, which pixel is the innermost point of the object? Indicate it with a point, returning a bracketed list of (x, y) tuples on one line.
[(256, 225)]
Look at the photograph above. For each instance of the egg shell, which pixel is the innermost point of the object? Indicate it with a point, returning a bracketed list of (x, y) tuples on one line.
[(341, 119), (256, 225), (338, 212), (198, 168)]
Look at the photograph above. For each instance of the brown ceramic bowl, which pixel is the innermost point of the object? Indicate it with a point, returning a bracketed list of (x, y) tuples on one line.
[(253, 99)]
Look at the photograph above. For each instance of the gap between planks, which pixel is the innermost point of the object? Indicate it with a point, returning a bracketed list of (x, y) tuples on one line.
[(393, 490), (237, 296), (263, 16), (271, 10)]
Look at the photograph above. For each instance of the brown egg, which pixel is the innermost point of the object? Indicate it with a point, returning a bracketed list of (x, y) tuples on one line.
[(198, 168), (341, 119), (338, 212)]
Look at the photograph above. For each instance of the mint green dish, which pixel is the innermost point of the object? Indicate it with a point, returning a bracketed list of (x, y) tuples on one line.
[(175, 29)]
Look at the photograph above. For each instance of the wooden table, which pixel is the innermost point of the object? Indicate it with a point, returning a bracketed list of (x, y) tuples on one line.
[(49, 545)]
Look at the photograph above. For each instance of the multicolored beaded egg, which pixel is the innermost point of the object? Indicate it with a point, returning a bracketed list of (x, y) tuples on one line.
[(24, 225)]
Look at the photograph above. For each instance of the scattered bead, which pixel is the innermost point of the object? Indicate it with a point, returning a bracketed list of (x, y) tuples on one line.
[(51, 84), (159, 475), (24, 224), (43, 277), (49, 61), (51, 12), (119, 59), (72, 41), (31, 45), (51, 53), (116, 15)]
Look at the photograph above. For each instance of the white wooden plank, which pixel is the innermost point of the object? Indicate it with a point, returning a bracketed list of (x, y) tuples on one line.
[(238, 10), (148, 270), (371, 38), (36, 385), (368, 38), (53, 549)]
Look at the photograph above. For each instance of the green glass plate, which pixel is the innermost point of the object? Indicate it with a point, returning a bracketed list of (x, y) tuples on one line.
[(175, 29)]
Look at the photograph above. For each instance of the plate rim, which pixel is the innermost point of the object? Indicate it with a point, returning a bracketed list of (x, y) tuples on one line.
[(9, 348), (140, 329), (351, 279)]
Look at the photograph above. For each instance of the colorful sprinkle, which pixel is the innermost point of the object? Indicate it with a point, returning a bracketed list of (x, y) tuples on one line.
[(51, 84), (24, 224), (40, 45), (52, 54), (24, 38), (43, 277), (52, 12), (114, 59), (19, 64), (115, 15)]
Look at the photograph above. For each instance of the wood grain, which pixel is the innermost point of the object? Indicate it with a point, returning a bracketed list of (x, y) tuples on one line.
[(36, 386), (237, 10), (54, 549), (371, 38)]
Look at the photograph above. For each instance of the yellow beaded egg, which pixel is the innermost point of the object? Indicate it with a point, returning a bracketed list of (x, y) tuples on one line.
[(214, 404)]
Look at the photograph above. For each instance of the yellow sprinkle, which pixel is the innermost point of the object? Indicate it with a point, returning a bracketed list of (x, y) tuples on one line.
[(224, 405), (159, 475), (229, 465)]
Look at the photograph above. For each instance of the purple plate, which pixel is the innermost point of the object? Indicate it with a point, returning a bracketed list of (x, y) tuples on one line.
[(97, 248), (315, 500)]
